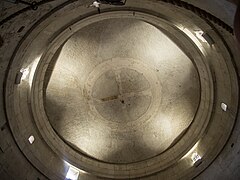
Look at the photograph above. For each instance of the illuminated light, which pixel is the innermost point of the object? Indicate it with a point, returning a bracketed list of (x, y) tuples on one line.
[(199, 35), (25, 73), (195, 157), (191, 150), (95, 4), (21, 75), (224, 106), (31, 139), (192, 37), (72, 173), (204, 37)]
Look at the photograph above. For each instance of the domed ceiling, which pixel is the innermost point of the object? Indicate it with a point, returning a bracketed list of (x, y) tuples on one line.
[(121, 91), (146, 90)]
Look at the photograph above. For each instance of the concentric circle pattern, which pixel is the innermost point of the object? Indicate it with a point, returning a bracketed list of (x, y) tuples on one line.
[(121, 102), (132, 92)]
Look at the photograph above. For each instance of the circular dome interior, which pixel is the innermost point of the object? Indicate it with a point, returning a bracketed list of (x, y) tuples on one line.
[(121, 91)]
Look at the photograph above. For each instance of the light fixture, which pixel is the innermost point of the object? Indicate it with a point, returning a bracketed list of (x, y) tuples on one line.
[(72, 173), (204, 37), (31, 139), (95, 4), (191, 150), (21, 75), (196, 158), (224, 106), (24, 72), (199, 35)]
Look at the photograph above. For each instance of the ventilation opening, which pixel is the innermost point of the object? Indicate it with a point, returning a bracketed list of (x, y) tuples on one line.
[(20, 29), (1, 41), (3, 127)]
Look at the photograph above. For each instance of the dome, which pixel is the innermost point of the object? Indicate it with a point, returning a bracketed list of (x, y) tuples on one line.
[(120, 94), (137, 90)]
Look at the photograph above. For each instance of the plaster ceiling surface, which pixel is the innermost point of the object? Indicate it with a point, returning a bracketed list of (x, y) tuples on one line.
[(120, 91)]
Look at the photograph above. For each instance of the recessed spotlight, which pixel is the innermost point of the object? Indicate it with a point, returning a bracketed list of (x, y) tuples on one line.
[(199, 35), (31, 139), (224, 106), (95, 4), (21, 75), (195, 157), (24, 72), (72, 174), (204, 37)]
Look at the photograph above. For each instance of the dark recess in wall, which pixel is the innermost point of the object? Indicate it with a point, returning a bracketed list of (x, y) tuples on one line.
[(20, 29), (1, 41)]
